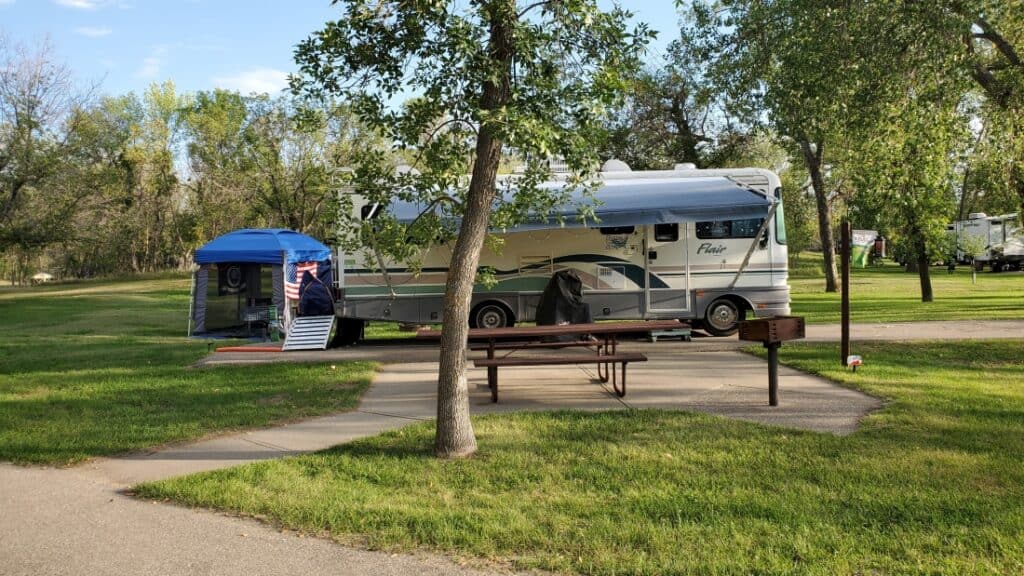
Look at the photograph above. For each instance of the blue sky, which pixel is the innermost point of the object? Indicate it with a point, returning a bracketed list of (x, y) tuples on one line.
[(244, 45)]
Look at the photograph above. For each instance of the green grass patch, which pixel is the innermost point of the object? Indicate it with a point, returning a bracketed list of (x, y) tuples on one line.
[(933, 483), (889, 294), (99, 368)]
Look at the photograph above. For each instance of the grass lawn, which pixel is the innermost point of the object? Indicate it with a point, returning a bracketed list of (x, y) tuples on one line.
[(933, 483), (99, 368), (888, 294)]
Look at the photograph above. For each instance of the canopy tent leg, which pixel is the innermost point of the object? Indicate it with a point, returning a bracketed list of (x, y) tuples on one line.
[(191, 303), (198, 317), (277, 297)]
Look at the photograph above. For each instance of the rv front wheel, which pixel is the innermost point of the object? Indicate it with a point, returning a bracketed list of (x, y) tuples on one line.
[(491, 315), (722, 317)]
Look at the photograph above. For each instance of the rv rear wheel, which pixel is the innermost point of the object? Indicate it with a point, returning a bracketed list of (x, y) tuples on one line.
[(491, 315), (722, 317)]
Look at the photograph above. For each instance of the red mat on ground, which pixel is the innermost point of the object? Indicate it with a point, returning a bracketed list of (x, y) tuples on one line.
[(249, 349)]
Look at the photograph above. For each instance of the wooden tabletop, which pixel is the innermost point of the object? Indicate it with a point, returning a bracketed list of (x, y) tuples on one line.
[(563, 329)]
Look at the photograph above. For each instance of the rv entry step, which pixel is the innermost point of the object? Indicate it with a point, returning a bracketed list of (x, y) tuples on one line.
[(309, 333)]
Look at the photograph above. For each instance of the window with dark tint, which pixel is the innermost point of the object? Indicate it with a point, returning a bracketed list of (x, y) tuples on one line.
[(666, 232), (613, 230), (725, 229)]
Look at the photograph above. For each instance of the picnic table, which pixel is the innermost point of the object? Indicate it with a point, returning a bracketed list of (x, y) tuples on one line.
[(602, 336)]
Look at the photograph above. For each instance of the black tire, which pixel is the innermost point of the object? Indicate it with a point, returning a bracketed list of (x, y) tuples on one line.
[(347, 332), (491, 315), (722, 318)]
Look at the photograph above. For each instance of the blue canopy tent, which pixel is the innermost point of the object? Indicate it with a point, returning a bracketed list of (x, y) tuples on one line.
[(256, 270)]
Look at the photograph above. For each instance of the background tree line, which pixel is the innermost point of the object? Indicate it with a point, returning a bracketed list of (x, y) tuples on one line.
[(96, 185), (899, 115)]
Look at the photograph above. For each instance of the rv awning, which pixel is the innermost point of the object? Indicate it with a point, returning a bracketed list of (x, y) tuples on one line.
[(644, 201), (262, 246)]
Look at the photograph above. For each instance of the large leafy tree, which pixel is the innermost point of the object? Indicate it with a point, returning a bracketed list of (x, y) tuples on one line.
[(800, 66), (39, 114), (984, 41), (669, 116), (482, 79), (905, 175)]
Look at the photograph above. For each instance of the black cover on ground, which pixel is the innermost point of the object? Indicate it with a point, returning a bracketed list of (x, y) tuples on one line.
[(314, 297), (562, 301)]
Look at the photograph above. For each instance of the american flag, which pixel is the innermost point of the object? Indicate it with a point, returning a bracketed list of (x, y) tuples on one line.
[(293, 277)]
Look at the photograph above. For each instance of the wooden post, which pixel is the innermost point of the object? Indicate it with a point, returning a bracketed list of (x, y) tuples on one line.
[(844, 257)]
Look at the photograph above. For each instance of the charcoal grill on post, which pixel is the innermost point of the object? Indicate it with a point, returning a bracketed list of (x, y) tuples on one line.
[(772, 332)]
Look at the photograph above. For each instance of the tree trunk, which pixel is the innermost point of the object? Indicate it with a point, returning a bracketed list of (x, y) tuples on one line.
[(923, 266), (814, 168), (454, 437)]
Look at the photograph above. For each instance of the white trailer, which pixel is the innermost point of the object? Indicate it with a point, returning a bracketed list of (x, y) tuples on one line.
[(996, 239), (707, 246)]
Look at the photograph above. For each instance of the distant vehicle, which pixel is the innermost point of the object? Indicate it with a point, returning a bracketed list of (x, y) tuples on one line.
[(41, 278), (702, 245), (1000, 240)]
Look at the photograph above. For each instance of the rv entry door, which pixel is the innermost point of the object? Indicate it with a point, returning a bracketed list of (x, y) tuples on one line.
[(667, 288)]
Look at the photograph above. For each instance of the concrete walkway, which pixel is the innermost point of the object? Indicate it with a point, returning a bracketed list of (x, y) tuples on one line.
[(77, 521)]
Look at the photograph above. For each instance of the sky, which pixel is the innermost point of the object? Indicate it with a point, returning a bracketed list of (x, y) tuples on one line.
[(244, 45)]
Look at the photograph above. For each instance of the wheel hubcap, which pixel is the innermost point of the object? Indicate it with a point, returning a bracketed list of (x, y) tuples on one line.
[(723, 317), (491, 318)]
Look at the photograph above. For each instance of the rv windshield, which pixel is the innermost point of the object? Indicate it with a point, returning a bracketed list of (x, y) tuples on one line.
[(780, 219)]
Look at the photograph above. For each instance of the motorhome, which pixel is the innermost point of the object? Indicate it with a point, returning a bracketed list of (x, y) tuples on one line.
[(707, 246), (995, 241)]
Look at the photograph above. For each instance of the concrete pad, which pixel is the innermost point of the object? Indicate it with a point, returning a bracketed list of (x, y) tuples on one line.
[(730, 384), (736, 385)]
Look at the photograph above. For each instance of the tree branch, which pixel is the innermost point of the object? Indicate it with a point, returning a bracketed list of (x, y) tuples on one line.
[(998, 40)]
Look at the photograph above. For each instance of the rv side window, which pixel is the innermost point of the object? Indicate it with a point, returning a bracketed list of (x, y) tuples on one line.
[(666, 232), (725, 229), (616, 230)]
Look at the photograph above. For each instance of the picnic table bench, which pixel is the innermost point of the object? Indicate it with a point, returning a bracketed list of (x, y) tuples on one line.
[(514, 339)]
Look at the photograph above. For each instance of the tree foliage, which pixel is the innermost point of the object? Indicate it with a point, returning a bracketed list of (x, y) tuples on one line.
[(39, 115), (480, 81)]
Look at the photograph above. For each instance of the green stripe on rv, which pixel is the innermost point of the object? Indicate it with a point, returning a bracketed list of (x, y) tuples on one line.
[(511, 285)]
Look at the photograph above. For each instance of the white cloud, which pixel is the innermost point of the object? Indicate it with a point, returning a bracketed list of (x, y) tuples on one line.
[(152, 64), (89, 4), (150, 67), (80, 4), (259, 80), (93, 31)]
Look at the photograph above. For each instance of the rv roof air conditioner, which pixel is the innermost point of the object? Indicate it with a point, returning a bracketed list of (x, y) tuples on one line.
[(976, 216), (615, 165), (685, 166)]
